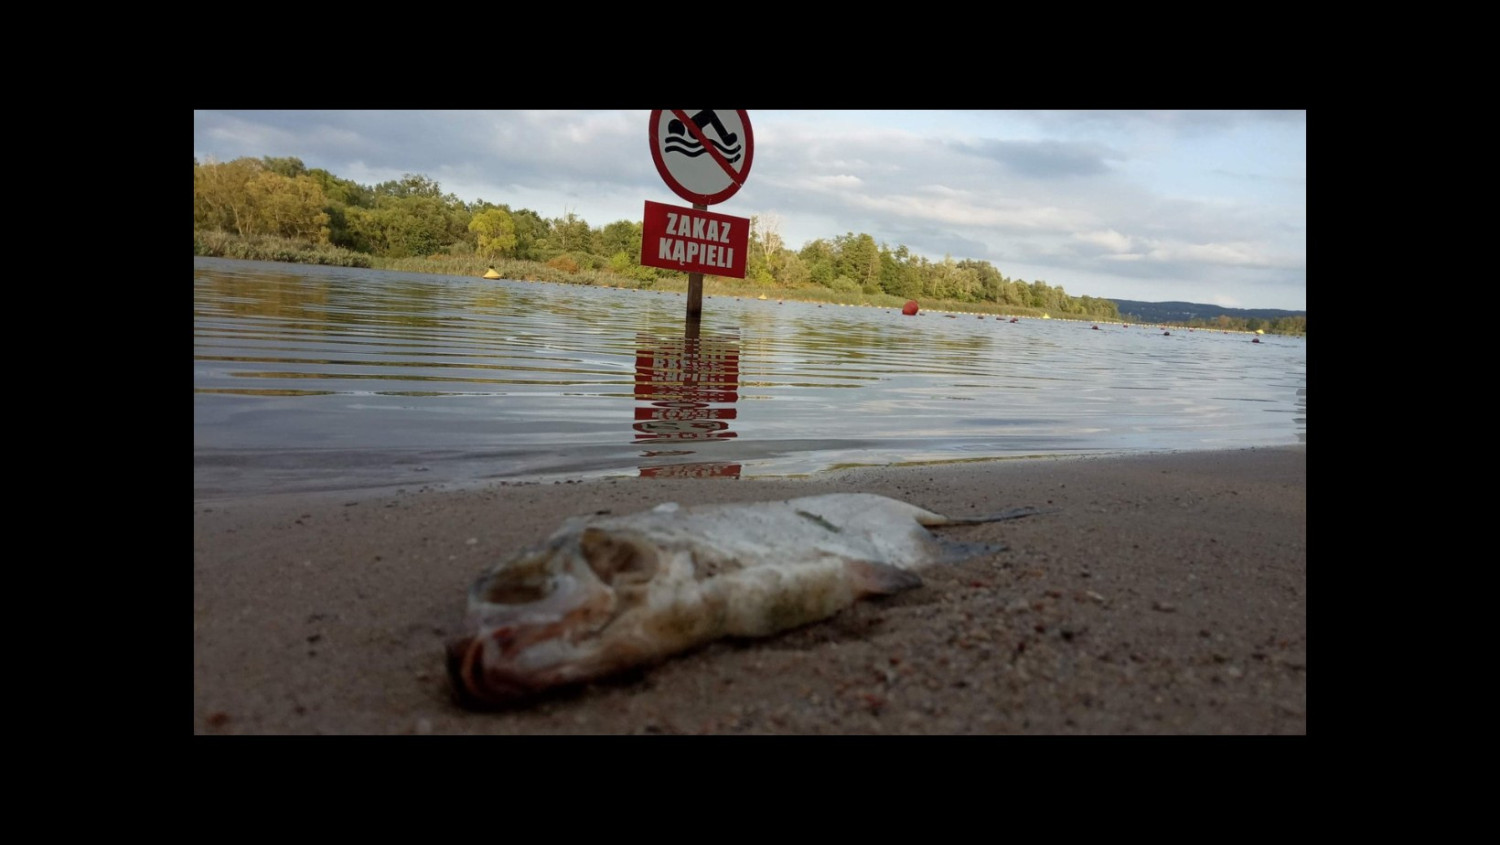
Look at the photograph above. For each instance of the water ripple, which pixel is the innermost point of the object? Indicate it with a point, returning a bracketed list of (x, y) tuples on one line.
[(322, 378)]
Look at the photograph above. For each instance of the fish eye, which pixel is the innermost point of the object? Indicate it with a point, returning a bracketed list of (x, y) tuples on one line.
[(514, 592), (616, 559), (525, 582)]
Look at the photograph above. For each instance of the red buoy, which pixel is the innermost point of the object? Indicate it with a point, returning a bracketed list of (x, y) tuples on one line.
[(909, 308)]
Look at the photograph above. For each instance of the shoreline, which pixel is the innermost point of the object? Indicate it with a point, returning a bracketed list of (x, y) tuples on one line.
[(1167, 595), (728, 288)]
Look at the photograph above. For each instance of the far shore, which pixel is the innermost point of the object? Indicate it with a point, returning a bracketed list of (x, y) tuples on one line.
[(722, 287)]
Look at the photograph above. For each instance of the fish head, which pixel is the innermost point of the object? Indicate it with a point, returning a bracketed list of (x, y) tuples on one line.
[(538, 619)]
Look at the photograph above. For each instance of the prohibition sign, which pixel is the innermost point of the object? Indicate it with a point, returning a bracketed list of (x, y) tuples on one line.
[(704, 156)]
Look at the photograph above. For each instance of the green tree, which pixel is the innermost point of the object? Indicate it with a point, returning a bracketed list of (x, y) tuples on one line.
[(794, 272), (966, 284), (988, 281), (1037, 298), (1017, 293), (291, 168), (621, 236), (531, 233), (890, 272), (496, 232), (248, 198), (570, 234), (819, 257), (288, 207), (910, 280), (858, 259), (220, 200), (342, 192), (941, 281), (410, 226), (757, 261), (410, 185)]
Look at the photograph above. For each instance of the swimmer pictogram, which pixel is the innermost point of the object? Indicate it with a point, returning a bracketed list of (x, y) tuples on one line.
[(679, 141), (704, 155)]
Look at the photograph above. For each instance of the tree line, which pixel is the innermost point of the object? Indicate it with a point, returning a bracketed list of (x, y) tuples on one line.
[(412, 217)]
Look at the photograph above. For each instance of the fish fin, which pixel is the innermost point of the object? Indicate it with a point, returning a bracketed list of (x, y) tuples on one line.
[(1012, 513), (819, 520), (880, 579)]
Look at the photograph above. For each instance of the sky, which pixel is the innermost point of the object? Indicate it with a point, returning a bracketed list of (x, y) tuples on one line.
[(1194, 206)]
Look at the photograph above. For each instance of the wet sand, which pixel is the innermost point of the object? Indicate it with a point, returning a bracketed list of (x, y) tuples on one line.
[(1167, 595)]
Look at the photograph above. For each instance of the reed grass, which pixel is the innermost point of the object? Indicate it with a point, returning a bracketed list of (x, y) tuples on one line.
[(271, 248), (266, 248)]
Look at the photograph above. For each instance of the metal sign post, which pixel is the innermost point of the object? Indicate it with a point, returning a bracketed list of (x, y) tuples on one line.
[(695, 286)]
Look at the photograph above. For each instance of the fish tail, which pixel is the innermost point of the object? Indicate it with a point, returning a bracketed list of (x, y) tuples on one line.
[(871, 578), (1012, 513)]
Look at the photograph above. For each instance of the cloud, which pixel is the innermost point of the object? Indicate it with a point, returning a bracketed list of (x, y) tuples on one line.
[(1107, 240), (1129, 204), (1043, 159)]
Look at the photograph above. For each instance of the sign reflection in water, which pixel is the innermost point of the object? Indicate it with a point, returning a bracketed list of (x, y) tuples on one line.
[(682, 388)]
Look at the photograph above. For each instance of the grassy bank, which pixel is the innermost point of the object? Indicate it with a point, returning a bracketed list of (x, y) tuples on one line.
[(223, 245), (535, 271)]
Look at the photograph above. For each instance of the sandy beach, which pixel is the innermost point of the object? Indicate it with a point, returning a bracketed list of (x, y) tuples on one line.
[(1167, 594)]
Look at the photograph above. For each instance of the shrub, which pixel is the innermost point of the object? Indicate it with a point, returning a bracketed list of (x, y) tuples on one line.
[(564, 263)]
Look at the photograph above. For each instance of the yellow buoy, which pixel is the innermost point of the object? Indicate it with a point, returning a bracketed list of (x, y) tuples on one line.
[(491, 274)]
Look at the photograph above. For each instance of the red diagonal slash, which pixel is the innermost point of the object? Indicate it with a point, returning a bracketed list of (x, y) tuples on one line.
[(697, 131)]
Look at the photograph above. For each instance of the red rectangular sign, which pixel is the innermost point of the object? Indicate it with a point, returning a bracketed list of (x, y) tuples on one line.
[(693, 241)]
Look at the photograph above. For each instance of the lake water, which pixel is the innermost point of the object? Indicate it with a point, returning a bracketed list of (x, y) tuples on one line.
[(311, 378)]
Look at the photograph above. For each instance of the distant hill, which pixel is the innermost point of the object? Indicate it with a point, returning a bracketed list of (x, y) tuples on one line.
[(1181, 312)]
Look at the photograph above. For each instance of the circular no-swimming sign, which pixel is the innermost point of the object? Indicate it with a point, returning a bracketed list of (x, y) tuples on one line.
[(704, 155)]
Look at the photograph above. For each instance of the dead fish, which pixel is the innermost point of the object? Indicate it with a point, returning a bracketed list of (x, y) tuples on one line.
[(605, 594)]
